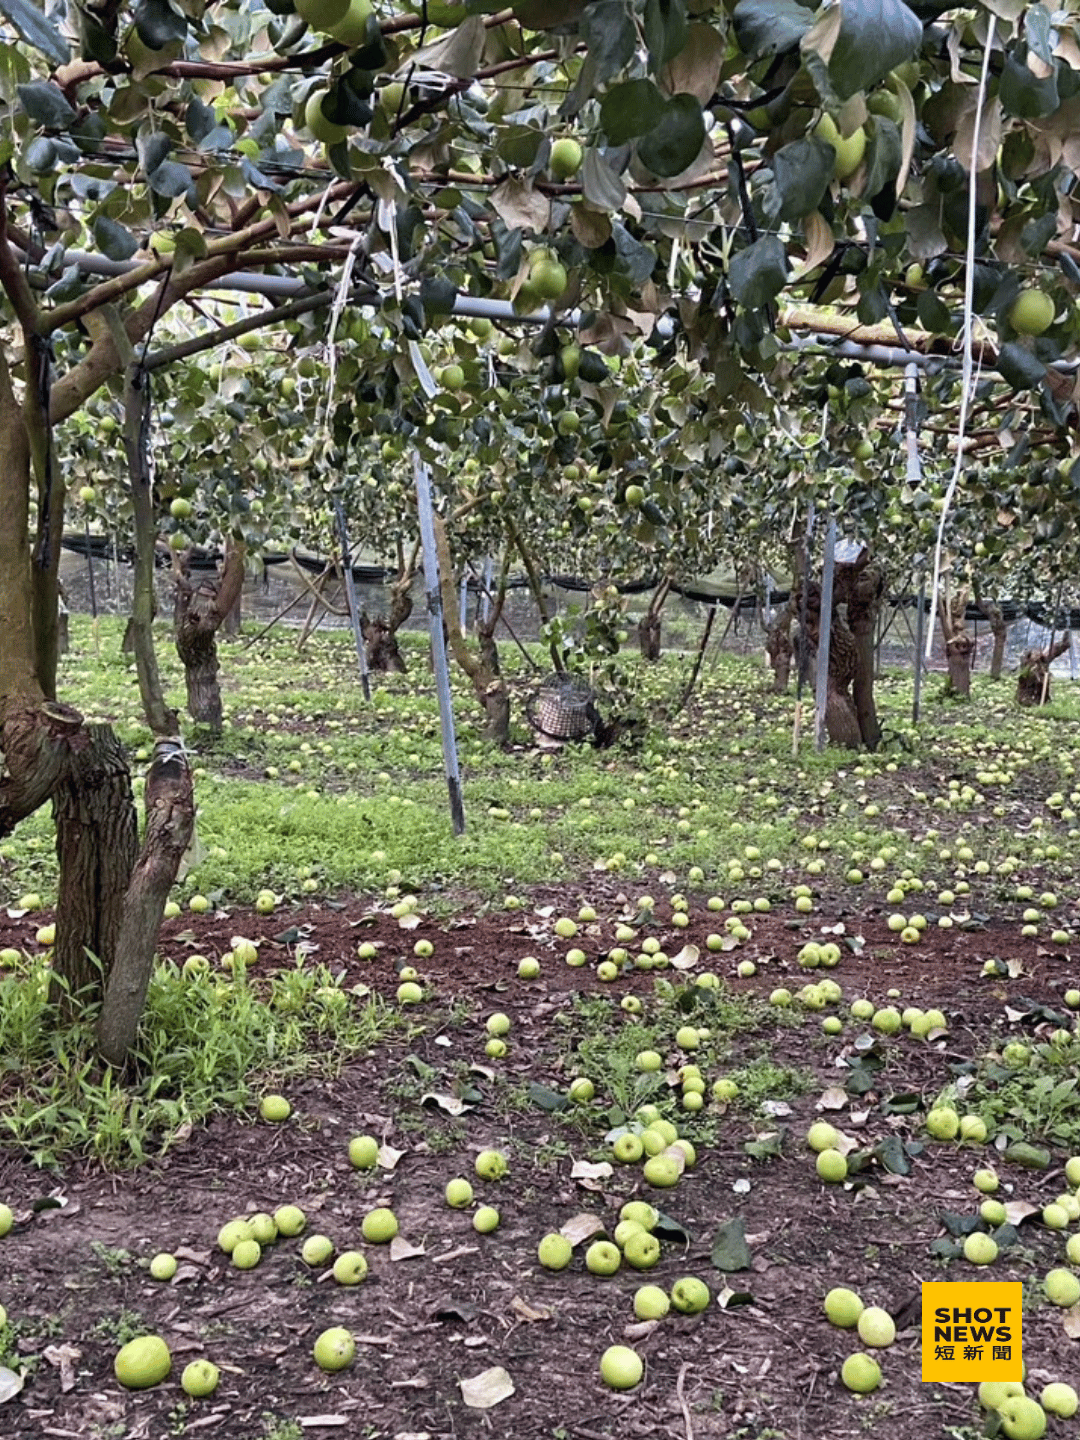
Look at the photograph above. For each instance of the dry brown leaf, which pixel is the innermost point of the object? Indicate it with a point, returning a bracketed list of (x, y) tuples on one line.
[(527, 1312), (1071, 1322), (834, 1098), (585, 1226), (402, 1249), (686, 959), (587, 1170), (482, 1391), (388, 1157), (63, 1358)]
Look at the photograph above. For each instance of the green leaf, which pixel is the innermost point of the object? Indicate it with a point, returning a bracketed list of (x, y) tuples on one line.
[(46, 105), (33, 28), (884, 156), (758, 273), (667, 1228), (729, 1248), (769, 27), (765, 1147), (636, 260), (608, 30), (1023, 371), (152, 148), (801, 173), (676, 140), (665, 31), (159, 24), (40, 155), (875, 37), (546, 1098), (1023, 94), (890, 1154), (114, 240), (1032, 1157), (630, 109), (170, 179), (933, 313)]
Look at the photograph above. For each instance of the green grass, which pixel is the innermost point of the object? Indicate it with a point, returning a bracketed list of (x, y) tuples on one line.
[(207, 1043)]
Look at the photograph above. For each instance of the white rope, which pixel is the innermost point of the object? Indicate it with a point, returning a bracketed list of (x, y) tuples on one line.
[(968, 374)]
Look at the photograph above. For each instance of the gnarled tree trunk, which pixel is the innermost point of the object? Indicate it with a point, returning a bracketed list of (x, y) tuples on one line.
[(648, 627), (1033, 681), (779, 649), (200, 608), (380, 634), (860, 588), (482, 668), (1000, 632), (959, 646)]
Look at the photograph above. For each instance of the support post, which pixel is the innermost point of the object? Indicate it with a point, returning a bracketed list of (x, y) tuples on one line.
[(438, 642), (821, 696), (920, 626), (800, 678), (350, 591), (463, 601)]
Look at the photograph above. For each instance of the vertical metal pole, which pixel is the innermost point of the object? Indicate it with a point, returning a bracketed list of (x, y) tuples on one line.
[(825, 634), (800, 680), (484, 605), (463, 601), (350, 591), (438, 642), (920, 625)]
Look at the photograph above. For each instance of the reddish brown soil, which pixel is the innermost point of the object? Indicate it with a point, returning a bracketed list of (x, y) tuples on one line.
[(73, 1280)]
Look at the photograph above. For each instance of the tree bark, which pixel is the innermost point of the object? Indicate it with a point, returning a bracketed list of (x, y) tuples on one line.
[(140, 627), (648, 627), (959, 646), (779, 649), (860, 588), (170, 822), (483, 669), (96, 844), (199, 610), (380, 634), (1000, 631), (1033, 681)]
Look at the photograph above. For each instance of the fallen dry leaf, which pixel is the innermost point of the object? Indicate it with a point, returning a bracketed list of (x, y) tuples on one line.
[(62, 1358), (584, 1227), (834, 1098), (528, 1312), (488, 1388), (402, 1249), (587, 1170), (388, 1157)]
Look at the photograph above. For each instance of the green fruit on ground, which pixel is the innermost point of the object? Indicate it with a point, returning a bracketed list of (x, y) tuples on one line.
[(661, 1171), (335, 1349), (651, 1303), (554, 1251), (621, 1367), (861, 1373), (274, 1108), (1059, 1399), (230, 1235), (822, 1136), (648, 1061), (980, 1249), (993, 1212), (1072, 1172), (459, 1194), (142, 1362), (943, 1123), (843, 1307), (1062, 1287), (831, 1167), (627, 1148), (1072, 1249), (876, 1327), (986, 1181), (316, 1250), (247, 1254), (263, 1228), (642, 1250), (163, 1266), (602, 1258), (689, 1295), (687, 1037), (646, 1215), (992, 1393), (3, 1317), (290, 1220), (363, 1152), (565, 159), (1055, 1217), (409, 993), (200, 1378), (498, 1024), (973, 1129), (529, 968), (582, 1090), (351, 1267), (1031, 312), (321, 127), (491, 1165), (486, 1220), (849, 152), (1022, 1418), (379, 1226)]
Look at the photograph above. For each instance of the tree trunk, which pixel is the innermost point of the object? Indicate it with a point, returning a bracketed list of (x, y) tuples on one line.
[(779, 649), (380, 635), (96, 844), (648, 629), (140, 627), (1033, 681), (170, 822), (200, 608), (860, 588), (1000, 632), (958, 652), (482, 669)]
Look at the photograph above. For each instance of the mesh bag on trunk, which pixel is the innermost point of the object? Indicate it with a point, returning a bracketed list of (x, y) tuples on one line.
[(564, 708)]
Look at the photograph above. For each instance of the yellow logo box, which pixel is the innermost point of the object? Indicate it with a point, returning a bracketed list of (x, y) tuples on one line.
[(971, 1331)]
